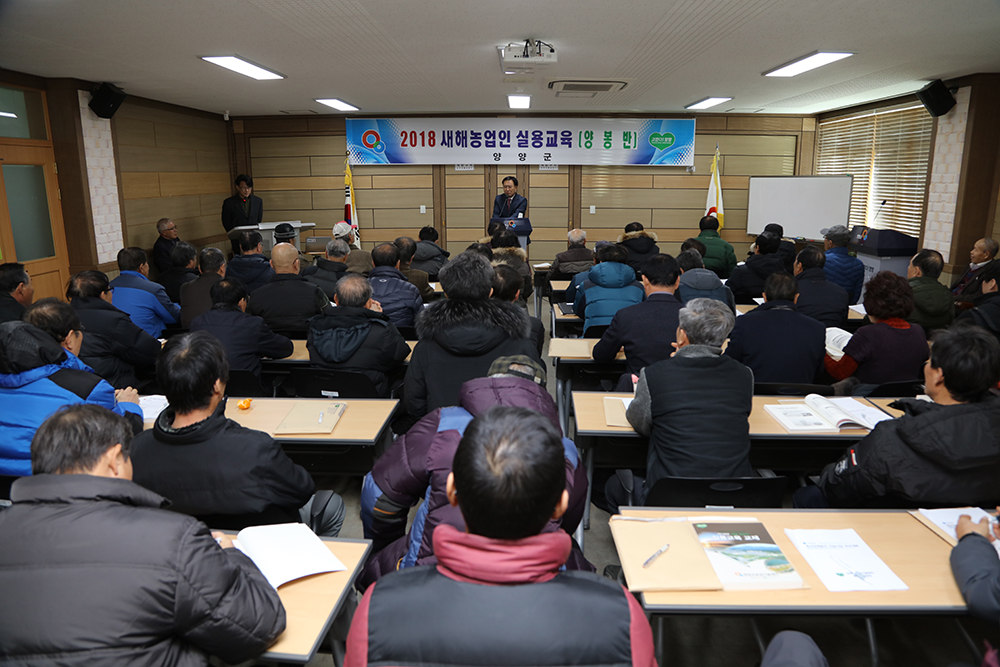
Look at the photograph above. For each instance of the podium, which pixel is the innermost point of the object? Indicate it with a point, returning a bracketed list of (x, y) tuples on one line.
[(520, 226), (882, 250)]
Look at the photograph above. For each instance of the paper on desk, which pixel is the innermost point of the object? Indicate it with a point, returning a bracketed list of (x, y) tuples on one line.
[(759, 300), (152, 406), (859, 309), (843, 562), (614, 411), (946, 520), (287, 551)]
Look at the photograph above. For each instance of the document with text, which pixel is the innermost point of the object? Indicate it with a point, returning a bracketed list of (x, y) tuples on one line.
[(286, 551), (843, 561)]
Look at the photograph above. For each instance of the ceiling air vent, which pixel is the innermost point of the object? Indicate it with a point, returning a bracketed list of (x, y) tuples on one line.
[(584, 87)]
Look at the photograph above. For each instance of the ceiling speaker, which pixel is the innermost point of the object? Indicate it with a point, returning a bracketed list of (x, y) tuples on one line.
[(936, 98), (106, 99)]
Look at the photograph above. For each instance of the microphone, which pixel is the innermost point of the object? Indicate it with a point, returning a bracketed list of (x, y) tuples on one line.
[(879, 209)]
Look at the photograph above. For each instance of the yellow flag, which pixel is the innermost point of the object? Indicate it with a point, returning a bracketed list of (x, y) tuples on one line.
[(714, 206)]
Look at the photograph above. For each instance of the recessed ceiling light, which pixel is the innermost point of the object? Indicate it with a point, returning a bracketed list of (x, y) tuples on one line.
[(338, 105), (7, 114), (708, 102), (519, 101), (243, 67), (806, 63)]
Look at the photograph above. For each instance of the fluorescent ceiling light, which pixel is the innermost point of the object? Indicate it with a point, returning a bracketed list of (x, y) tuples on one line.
[(7, 114), (708, 102), (807, 63), (338, 105), (243, 67), (519, 101)]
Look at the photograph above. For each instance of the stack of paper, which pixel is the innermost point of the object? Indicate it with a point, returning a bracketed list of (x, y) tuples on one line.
[(944, 521), (152, 406), (285, 552), (843, 562)]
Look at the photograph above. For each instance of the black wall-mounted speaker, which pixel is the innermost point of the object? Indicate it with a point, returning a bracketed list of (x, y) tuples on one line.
[(106, 99), (936, 97)]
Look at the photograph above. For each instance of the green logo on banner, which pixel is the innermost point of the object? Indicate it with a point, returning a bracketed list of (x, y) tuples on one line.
[(661, 141)]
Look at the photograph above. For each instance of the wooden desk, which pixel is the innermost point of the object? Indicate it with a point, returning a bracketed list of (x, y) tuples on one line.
[(567, 353), (300, 354), (564, 322), (852, 317), (559, 285), (312, 603)]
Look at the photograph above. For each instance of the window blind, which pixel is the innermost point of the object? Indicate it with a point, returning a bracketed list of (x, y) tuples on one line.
[(888, 153)]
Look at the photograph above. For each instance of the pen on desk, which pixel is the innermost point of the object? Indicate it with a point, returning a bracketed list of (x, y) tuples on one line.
[(659, 552), (321, 418)]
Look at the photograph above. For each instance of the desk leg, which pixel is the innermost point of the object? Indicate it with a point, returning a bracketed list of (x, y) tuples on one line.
[(588, 460), (538, 301)]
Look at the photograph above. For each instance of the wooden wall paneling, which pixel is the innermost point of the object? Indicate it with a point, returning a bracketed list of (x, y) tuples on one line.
[(744, 165), (140, 185), (412, 219), (298, 147), (440, 197), (575, 188), (764, 124), (195, 183), (298, 200), (298, 183), (265, 167), (742, 144)]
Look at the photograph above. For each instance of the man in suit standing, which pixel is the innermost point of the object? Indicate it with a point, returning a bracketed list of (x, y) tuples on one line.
[(510, 204), (243, 208)]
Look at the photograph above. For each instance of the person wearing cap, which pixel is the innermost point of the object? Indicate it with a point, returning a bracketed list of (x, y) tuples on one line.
[(285, 233), (966, 289), (242, 209), (358, 261), (417, 464), (288, 300), (841, 268)]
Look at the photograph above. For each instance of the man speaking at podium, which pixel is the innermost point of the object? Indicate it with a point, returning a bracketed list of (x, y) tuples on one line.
[(509, 204)]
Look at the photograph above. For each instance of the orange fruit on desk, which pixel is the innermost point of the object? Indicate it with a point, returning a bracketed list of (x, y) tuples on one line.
[(244, 404)]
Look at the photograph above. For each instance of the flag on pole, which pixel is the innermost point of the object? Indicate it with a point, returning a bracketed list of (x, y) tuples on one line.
[(349, 216), (713, 206)]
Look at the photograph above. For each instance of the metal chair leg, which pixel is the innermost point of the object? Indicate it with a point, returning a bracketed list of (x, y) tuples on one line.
[(872, 641)]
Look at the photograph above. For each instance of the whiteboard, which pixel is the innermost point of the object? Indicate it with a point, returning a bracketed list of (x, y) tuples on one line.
[(803, 205)]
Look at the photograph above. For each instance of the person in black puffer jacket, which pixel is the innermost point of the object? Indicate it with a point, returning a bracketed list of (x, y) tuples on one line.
[(641, 245), (747, 281), (252, 267)]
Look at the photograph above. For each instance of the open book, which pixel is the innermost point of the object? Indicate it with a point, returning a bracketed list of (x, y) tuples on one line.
[(819, 413), (836, 340), (286, 551)]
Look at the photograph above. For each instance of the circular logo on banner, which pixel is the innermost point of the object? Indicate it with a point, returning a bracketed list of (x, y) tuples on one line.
[(372, 141)]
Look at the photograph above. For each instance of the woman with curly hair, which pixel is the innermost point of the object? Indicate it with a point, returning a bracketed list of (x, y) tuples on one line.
[(891, 349)]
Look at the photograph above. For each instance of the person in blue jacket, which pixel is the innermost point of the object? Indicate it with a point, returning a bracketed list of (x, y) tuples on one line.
[(146, 302), (609, 287), (841, 268), (40, 373)]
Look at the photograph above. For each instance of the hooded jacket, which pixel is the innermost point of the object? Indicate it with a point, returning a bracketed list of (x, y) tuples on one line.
[(112, 345), (146, 302), (429, 257), (719, 254), (94, 572), (704, 284), (821, 299), (933, 304), (254, 270), (358, 340), (517, 259), (325, 273), (37, 377), (459, 339), (609, 287), (932, 456), (747, 281), (416, 467), (399, 297), (641, 246)]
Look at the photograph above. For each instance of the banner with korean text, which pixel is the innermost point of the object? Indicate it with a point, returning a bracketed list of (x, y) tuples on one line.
[(608, 141)]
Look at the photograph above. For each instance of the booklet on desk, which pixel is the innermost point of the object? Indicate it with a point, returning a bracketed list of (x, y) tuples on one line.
[(836, 340), (744, 556), (286, 551), (819, 413)]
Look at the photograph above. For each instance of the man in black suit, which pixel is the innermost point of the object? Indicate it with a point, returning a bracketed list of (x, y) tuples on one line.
[(648, 329), (510, 204), (165, 242), (243, 208)]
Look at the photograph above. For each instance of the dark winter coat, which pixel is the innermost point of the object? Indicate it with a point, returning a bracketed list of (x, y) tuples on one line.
[(400, 299), (112, 345), (174, 278), (571, 262), (608, 288), (821, 299), (325, 273), (517, 259), (747, 281), (287, 303), (245, 337), (641, 246), (254, 270), (933, 306), (704, 284), (429, 257), (779, 344)]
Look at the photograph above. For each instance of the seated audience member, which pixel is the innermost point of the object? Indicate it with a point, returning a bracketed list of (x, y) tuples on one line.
[(399, 298), (697, 282), (577, 280), (570, 262), (775, 341), (987, 313), (16, 291), (786, 249), (288, 300), (483, 249), (891, 349), (719, 256), (114, 346), (40, 373), (357, 336), (694, 243), (841, 268), (326, 272), (251, 266), (145, 302), (358, 261), (507, 250), (183, 270), (407, 247), (976, 567), (747, 281), (429, 256), (507, 284), (609, 286), (940, 454), (208, 465), (417, 464), (165, 242), (508, 481), (819, 298), (113, 578), (933, 307), (461, 335), (196, 298), (245, 337), (285, 233), (647, 329), (694, 407), (967, 288), (640, 244)]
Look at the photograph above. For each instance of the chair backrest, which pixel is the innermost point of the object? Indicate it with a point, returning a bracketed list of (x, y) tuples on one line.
[(244, 383), (893, 389), (313, 382), (717, 491), (789, 389), (5, 484), (409, 333), (595, 331)]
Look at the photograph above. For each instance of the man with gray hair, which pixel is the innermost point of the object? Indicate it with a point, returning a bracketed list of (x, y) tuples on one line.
[(326, 272), (694, 407), (165, 242), (571, 262)]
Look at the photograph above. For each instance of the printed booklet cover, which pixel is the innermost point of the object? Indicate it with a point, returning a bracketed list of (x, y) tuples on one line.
[(745, 556)]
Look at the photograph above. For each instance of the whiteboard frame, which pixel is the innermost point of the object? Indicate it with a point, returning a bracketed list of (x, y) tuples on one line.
[(796, 213)]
